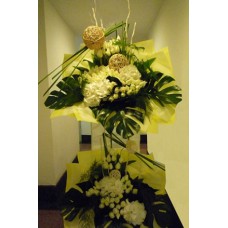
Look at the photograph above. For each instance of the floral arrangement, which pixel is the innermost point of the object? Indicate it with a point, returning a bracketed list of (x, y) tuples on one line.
[(127, 88), (124, 86), (115, 188)]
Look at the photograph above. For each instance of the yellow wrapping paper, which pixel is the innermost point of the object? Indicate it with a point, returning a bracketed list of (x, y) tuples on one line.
[(78, 110), (76, 170), (154, 176), (159, 115), (162, 62)]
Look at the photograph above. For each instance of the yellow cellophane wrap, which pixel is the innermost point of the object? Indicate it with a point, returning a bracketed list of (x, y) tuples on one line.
[(154, 176), (162, 64), (160, 114)]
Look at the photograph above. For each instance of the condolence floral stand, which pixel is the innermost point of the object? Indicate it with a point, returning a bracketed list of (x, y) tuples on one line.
[(127, 88)]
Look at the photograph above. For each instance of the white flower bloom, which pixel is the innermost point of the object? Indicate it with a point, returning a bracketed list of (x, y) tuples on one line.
[(134, 213), (97, 86), (123, 204), (130, 77), (109, 48), (105, 165), (94, 92), (111, 215), (112, 205), (129, 72), (117, 200), (110, 166), (115, 96), (111, 185), (122, 94), (101, 205), (118, 166), (99, 53), (108, 158), (115, 211)]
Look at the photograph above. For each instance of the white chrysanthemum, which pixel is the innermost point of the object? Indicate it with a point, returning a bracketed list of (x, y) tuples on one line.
[(131, 79), (97, 87), (95, 91), (134, 213), (111, 185), (129, 72)]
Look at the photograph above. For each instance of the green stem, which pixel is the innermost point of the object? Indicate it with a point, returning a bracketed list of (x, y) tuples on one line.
[(105, 144), (115, 139)]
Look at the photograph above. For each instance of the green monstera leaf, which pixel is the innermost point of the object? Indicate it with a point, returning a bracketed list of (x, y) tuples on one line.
[(165, 92), (69, 93), (162, 213), (124, 121), (159, 87)]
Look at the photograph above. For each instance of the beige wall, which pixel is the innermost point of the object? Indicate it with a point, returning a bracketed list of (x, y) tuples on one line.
[(46, 174), (59, 137), (170, 145)]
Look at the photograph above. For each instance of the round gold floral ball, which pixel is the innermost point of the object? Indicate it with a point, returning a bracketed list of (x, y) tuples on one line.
[(117, 61), (93, 37), (115, 174)]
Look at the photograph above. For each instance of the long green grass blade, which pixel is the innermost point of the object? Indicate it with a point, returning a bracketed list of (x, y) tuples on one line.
[(151, 161), (76, 53)]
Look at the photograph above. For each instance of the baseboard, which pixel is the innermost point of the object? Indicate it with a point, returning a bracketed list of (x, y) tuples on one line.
[(49, 196)]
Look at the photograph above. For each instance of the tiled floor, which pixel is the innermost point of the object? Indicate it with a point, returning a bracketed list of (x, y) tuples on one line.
[(49, 219)]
